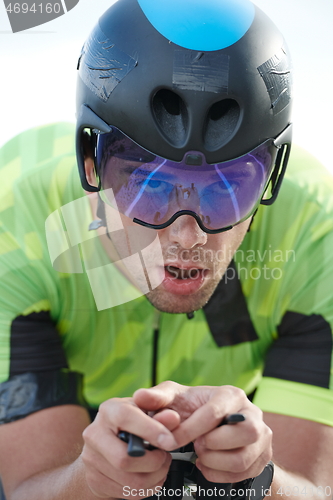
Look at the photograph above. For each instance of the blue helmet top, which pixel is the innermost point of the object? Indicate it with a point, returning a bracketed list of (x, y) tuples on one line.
[(197, 25)]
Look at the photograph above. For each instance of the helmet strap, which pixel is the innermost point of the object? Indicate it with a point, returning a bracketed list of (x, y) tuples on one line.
[(100, 212)]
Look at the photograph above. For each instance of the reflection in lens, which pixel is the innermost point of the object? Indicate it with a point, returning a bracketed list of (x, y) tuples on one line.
[(231, 193), (152, 189)]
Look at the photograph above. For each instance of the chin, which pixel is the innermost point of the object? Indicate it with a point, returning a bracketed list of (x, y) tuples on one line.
[(175, 304)]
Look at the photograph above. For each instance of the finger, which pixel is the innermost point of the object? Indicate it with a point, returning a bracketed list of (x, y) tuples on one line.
[(158, 397), (116, 415), (142, 479), (94, 461), (242, 434), (169, 418), (235, 473), (221, 401), (238, 460), (112, 451)]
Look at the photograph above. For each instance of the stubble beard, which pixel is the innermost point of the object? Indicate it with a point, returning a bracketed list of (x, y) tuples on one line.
[(165, 301)]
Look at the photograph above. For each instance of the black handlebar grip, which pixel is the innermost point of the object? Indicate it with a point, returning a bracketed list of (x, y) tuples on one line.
[(136, 447)]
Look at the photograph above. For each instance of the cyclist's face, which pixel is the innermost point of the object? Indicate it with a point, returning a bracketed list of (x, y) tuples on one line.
[(194, 262)]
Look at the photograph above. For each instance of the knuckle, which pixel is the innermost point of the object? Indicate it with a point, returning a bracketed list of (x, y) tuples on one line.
[(161, 461), (240, 463), (254, 431), (204, 459), (167, 459), (117, 406), (168, 384), (211, 475), (140, 481), (215, 411), (236, 392), (87, 458), (104, 408), (89, 434), (267, 456), (257, 412), (199, 447), (269, 432), (121, 461), (260, 412), (86, 433), (259, 465)]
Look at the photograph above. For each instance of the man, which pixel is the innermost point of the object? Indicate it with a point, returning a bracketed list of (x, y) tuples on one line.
[(184, 133)]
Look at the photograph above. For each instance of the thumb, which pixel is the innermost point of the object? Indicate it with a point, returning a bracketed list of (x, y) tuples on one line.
[(161, 396)]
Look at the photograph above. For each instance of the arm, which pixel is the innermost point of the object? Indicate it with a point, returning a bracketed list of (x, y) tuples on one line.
[(304, 451), (48, 440)]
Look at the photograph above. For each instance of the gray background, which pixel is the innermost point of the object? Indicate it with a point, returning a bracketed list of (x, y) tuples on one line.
[(38, 68)]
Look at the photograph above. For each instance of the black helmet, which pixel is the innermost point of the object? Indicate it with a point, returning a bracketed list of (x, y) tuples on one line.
[(205, 80)]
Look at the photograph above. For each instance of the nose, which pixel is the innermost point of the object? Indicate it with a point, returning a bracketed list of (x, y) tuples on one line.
[(185, 232)]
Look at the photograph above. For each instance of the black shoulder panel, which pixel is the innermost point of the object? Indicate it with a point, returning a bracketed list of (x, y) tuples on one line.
[(35, 344), (27, 393), (303, 351), (227, 314)]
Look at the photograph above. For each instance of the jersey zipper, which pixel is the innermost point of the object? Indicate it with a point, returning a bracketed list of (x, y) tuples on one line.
[(156, 332)]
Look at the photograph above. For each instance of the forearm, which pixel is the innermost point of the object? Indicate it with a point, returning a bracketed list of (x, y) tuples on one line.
[(289, 486), (64, 483)]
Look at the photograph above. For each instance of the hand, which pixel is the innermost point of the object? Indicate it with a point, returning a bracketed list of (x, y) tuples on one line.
[(226, 454), (108, 468)]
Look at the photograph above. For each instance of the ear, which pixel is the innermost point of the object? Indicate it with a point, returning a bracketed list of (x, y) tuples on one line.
[(89, 164)]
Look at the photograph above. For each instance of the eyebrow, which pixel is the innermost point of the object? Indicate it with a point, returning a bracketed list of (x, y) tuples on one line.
[(233, 173), (138, 170), (211, 178)]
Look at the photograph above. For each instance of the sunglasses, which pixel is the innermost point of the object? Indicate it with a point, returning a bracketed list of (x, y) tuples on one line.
[(155, 191)]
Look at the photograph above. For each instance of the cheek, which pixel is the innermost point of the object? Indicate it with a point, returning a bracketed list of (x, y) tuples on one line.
[(128, 237), (239, 233), (228, 242)]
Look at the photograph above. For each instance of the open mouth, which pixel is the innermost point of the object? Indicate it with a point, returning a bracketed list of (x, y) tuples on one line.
[(184, 281), (178, 273)]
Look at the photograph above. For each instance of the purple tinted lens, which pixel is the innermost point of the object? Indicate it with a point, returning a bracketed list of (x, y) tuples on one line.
[(152, 189)]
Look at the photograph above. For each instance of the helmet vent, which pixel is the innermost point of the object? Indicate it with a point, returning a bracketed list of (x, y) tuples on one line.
[(171, 116), (221, 123)]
